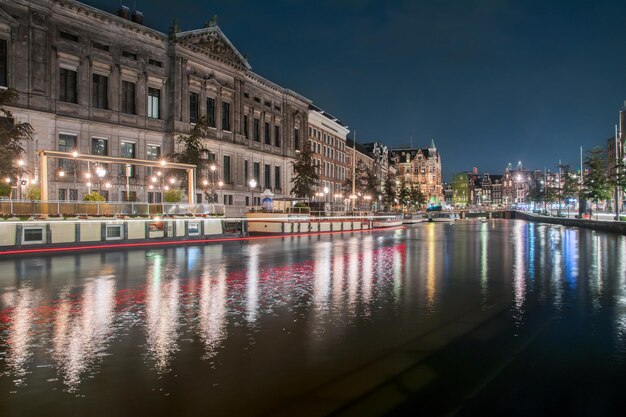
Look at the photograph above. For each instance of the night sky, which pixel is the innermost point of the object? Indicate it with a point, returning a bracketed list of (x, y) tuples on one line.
[(491, 82)]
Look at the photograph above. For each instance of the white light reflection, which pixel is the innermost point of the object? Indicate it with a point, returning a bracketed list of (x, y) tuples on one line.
[(322, 275), (367, 273), (596, 286), (338, 275), (519, 283), (212, 315), (556, 267), (252, 283), (620, 305), (19, 340), (484, 266), (82, 328), (353, 280), (162, 310), (431, 287)]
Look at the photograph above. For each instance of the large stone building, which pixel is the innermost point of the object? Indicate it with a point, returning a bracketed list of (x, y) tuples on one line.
[(422, 168), (327, 140), (97, 83)]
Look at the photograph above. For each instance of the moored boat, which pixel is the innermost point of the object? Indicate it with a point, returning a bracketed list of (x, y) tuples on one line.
[(443, 217), (389, 220)]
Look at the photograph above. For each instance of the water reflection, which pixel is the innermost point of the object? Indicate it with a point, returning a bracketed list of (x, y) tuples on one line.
[(162, 307), (252, 283), (315, 295), (22, 302), (519, 283), (82, 328), (212, 314)]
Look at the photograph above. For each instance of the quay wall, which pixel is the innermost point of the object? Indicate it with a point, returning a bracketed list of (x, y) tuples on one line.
[(602, 225)]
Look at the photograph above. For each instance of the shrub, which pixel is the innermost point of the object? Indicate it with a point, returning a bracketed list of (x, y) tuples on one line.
[(5, 189), (172, 196), (94, 196), (33, 193)]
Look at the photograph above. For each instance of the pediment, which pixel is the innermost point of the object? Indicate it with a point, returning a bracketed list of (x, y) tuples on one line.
[(7, 19), (213, 42)]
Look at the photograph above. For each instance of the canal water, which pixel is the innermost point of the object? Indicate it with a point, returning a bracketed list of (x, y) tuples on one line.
[(534, 318)]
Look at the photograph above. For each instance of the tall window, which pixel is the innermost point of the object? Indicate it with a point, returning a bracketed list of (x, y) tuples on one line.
[(277, 136), (257, 172), (245, 126), (194, 109), (99, 91), (256, 130), (277, 178), (154, 103), (153, 153), (67, 143), (246, 172), (128, 97), (296, 138), (268, 138), (225, 116), (226, 166), (210, 111), (127, 150), (99, 146), (3, 63), (267, 176), (67, 85)]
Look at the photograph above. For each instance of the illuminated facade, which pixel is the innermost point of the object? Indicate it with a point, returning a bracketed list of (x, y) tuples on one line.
[(422, 168), (129, 90)]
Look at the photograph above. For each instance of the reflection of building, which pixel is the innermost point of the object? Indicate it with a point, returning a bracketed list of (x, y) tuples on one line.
[(421, 167), (128, 90), (327, 140)]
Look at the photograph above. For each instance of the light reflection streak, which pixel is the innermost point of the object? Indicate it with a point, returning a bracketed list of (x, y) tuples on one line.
[(620, 303), (557, 268), (338, 275), (252, 283), (82, 328), (430, 267), (519, 283), (162, 310), (322, 275), (367, 274), (212, 314), (20, 335), (484, 266), (353, 281)]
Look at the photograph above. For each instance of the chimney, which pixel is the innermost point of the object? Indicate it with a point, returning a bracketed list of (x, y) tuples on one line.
[(124, 12), (137, 17)]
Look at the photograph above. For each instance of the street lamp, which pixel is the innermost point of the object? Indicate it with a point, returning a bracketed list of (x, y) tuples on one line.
[(252, 187), (100, 172)]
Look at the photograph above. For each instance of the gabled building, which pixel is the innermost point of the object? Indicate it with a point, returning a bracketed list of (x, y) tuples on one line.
[(421, 167)]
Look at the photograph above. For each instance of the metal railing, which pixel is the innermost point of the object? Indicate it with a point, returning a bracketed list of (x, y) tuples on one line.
[(29, 208)]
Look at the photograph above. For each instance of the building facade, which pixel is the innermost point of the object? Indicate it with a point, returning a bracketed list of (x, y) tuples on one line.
[(422, 168), (129, 91), (327, 140)]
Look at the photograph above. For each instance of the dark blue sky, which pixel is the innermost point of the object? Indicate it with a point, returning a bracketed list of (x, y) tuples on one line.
[(492, 81)]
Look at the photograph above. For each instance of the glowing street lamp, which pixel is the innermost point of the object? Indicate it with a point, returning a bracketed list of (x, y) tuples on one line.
[(252, 187)]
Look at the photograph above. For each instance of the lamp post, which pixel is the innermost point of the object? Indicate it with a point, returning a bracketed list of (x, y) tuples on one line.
[(326, 191), (100, 173), (252, 187)]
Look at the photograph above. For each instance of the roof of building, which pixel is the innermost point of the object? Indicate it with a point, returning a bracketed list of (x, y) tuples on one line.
[(327, 115)]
